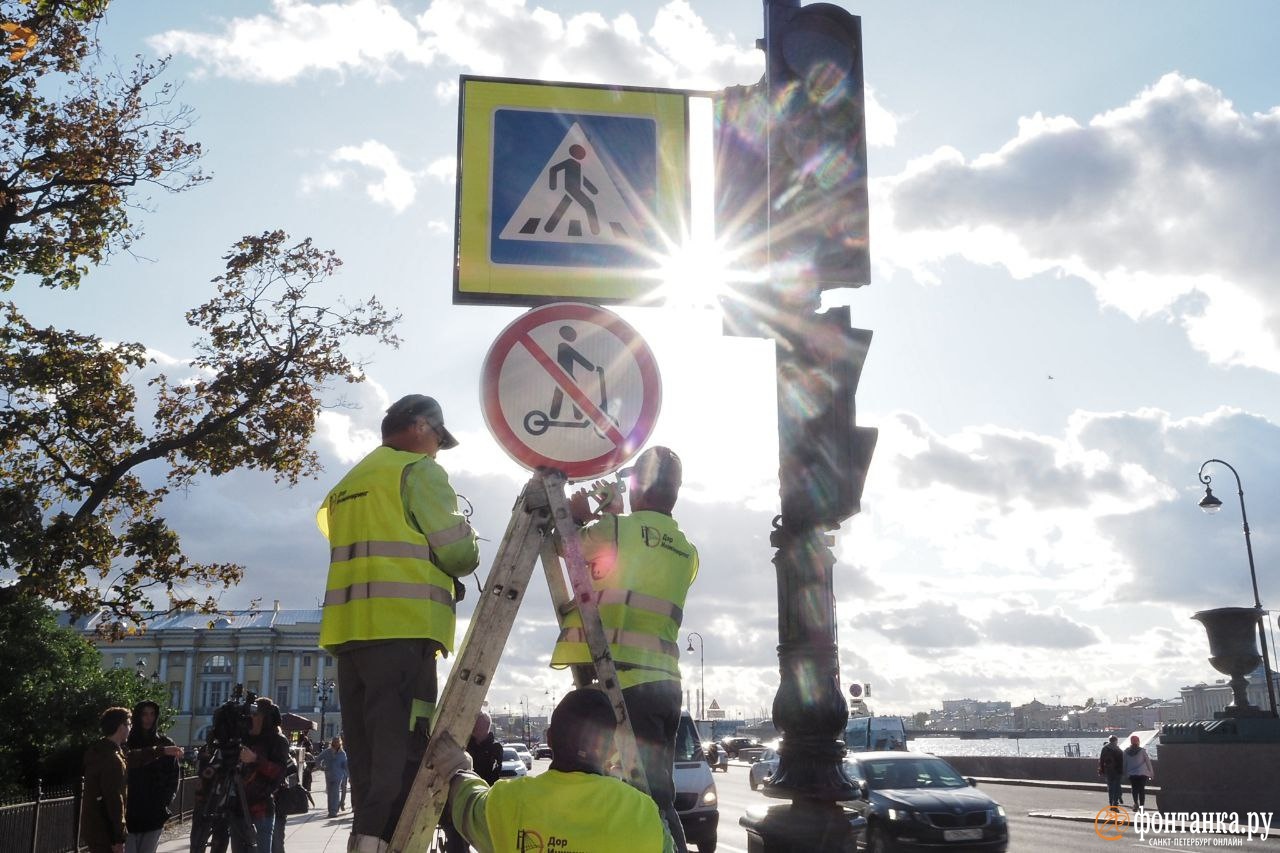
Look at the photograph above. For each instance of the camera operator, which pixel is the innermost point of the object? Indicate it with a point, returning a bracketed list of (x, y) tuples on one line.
[(264, 764)]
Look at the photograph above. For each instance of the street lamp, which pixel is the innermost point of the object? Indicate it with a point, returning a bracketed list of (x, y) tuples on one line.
[(702, 672), (524, 701), (1209, 503), (324, 692)]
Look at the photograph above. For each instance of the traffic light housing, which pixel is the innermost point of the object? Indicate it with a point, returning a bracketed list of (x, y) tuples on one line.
[(824, 455), (817, 151)]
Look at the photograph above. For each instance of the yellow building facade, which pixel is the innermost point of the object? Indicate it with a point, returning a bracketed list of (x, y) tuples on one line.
[(201, 658)]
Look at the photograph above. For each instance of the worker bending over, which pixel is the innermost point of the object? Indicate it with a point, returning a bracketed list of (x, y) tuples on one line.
[(572, 806)]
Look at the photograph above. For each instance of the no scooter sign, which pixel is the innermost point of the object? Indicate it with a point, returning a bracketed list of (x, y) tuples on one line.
[(572, 387)]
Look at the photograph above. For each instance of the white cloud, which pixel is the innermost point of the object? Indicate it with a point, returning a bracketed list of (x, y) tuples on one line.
[(1168, 197), (298, 38), (392, 183)]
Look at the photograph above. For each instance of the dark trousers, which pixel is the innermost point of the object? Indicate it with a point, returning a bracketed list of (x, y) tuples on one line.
[(209, 832), (1115, 789), (1139, 785), (377, 687), (654, 710)]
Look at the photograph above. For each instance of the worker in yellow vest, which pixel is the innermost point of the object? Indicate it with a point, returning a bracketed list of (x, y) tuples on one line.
[(641, 568), (397, 542), (573, 806)]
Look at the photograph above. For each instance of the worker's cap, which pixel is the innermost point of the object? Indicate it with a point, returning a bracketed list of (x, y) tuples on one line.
[(415, 405), (582, 727), (656, 466)]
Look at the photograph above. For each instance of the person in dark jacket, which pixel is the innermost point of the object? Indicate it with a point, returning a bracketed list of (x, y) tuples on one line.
[(264, 763), (1111, 767), (152, 760), (102, 809), (486, 762)]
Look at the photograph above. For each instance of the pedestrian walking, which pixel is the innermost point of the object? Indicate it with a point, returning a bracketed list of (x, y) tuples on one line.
[(1111, 767), (102, 810), (574, 802), (1138, 767), (333, 761), (152, 762), (641, 568), (397, 545)]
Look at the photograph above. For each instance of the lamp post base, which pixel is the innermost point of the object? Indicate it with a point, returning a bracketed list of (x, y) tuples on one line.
[(801, 826)]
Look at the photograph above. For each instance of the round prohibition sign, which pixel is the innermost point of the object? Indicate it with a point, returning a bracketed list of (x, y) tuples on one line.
[(570, 386)]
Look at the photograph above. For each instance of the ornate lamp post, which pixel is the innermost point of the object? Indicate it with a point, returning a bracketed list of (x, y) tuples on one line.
[(702, 673), (324, 692), (1210, 503), (524, 703)]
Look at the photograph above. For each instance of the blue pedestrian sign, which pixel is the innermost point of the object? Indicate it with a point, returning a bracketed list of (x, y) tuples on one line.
[(567, 192)]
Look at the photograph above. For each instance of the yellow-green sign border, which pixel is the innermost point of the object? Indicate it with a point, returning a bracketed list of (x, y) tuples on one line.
[(476, 279)]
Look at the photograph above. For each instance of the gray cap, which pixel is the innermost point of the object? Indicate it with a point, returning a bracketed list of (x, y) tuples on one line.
[(413, 405)]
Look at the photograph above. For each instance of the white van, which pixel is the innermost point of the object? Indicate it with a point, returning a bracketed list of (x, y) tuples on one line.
[(696, 799), (866, 734)]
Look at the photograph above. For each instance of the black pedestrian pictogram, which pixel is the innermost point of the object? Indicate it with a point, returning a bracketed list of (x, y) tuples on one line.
[(574, 182), (536, 422)]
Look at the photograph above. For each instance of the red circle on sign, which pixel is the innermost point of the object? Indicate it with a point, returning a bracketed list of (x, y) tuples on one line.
[(625, 444)]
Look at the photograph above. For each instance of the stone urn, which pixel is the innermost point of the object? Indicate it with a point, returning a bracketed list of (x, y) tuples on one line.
[(1233, 649)]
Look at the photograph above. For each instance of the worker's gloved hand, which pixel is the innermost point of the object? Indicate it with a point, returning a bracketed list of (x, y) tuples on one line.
[(608, 496), (580, 508), (449, 757)]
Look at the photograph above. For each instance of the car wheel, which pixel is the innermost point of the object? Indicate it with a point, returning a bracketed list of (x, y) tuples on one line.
[(878, 840)]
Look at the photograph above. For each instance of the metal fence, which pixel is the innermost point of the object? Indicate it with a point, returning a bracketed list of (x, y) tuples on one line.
[(51, 822)]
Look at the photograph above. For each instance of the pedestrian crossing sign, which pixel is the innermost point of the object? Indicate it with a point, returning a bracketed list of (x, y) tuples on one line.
[(567, 191)]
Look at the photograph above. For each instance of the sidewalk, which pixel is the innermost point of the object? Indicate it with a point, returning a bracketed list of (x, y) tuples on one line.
[(314, 832)]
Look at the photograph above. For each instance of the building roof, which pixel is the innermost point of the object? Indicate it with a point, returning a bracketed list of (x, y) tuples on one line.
[(233, 620)]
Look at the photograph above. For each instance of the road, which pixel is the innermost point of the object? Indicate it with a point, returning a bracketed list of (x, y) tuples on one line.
[(1027, 834)]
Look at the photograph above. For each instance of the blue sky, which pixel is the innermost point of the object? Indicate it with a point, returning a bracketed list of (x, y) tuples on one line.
[(1083, 192)]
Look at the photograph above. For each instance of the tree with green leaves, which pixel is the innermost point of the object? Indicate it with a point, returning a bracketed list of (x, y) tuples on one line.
[(79, 521), (54, 690), (80, 143)]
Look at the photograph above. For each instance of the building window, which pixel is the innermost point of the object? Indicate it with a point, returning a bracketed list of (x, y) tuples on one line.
[(214, 691), (255, 659), (175, 694), (306, 661), (282, 695), (117, 662), (217, 665), (283, 660), (304, 696)]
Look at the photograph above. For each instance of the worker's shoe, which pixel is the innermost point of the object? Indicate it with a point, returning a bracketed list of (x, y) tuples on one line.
[(367, 844)]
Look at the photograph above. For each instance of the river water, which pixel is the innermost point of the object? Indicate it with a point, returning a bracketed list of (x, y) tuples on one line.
[(1048, 747)]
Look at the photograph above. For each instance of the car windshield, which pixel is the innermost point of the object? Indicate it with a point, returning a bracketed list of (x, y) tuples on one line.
[(688, 745), (509, 754), (910, 773)]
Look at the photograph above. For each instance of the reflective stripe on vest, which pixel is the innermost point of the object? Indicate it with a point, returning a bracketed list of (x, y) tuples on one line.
[(617, 637), (448, 536), (387, 589), (640, 601), (357, 550)]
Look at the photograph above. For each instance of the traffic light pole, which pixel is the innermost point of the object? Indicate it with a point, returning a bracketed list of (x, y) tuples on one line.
[(809, 708)]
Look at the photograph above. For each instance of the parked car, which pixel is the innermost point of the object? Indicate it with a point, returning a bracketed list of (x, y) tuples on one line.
[(542, 750), (875, 734), (696, 799), (916, 801), (512, 763), (523, 752)]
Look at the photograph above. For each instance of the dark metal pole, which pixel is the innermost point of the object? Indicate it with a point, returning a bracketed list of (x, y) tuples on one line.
[(1253, 577)]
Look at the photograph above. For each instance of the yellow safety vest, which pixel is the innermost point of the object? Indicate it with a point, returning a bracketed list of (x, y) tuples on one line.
[(577, 812), (641, 569), (382, 582)]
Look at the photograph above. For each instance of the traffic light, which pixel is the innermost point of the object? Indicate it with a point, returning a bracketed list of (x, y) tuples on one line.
[(817, 152), (823, 455)]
